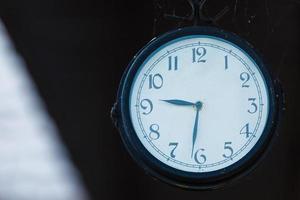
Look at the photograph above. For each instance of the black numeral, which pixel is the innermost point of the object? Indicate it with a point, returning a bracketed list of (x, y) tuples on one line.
[(226, 62), (245, 77), (198, 54), (173, 63), (145, 104), (156, 81), (200, 158), (174, 144), (154, 134), (228, 148), (254, 106), (245, 130)]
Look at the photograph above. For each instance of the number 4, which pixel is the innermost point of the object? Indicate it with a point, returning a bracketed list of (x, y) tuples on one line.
[(245, 130)]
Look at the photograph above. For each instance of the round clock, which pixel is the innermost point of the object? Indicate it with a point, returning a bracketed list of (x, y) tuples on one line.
[(197, 107)]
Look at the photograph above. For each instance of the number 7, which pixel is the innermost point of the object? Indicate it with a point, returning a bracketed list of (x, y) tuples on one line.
[(175, 144)]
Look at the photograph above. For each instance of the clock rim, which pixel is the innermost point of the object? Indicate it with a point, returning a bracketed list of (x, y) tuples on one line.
[(194, 180)]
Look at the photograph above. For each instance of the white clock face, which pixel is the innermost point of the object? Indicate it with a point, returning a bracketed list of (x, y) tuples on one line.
[(199, 104)]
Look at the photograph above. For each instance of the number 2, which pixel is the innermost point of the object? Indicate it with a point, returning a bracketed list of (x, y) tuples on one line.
[(245, 77)]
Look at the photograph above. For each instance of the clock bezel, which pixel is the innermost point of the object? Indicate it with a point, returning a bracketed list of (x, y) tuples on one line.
[(155, 167)]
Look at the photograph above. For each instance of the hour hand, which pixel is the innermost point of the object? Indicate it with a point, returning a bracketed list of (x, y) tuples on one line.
[(179, 102)]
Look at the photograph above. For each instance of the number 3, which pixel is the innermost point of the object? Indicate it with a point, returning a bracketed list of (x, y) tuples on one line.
[(253, 104)]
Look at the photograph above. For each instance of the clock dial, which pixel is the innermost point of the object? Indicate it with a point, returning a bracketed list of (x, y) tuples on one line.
[(199, 103)]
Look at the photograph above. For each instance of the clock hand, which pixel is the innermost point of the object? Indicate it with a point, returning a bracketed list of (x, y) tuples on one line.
[(198, 106), (179, 102), (195, 130)]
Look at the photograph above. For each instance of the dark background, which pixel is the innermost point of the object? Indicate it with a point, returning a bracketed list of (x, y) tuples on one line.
[(77, 51)]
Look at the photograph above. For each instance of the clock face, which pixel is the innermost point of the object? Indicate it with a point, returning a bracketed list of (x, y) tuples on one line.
[(199, 103)]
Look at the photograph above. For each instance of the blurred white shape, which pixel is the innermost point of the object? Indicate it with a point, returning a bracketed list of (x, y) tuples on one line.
[(33, 163)]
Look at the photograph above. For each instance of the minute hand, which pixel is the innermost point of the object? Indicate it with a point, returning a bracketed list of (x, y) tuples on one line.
[(179, 102), (195, 129)]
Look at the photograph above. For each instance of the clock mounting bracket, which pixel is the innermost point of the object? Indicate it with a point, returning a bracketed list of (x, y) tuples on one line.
[(198, 16)]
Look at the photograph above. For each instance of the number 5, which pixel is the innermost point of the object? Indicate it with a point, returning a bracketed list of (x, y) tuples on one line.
[(229, 148)]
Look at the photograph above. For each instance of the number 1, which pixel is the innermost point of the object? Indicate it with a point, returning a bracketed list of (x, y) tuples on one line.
[(226, 62)]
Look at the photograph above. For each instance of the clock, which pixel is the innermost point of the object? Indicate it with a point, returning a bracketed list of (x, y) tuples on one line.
[(197, 107)]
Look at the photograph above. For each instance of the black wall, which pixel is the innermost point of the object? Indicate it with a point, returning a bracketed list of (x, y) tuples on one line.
[(76, 52)]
